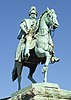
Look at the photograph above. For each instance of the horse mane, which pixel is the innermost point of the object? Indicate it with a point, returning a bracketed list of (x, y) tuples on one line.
[(42, 16), (39, 20)]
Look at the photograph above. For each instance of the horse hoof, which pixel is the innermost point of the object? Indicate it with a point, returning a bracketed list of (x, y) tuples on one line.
[(55, 59), (31, 79)]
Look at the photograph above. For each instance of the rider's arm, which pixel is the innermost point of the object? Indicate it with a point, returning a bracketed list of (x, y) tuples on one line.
[(23, 26)]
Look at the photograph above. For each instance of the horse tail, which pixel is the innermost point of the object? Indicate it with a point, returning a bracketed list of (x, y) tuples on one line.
[(14, 74)]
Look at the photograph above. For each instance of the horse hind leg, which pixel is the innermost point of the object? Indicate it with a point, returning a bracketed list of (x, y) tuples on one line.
[(30, 76)]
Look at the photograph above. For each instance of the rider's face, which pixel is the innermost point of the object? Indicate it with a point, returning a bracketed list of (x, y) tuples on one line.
[(33, 16)]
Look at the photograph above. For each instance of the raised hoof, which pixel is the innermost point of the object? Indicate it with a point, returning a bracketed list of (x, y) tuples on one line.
[(55, 59)]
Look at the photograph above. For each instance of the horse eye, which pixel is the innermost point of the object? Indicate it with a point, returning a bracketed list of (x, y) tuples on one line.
[(49, 15)]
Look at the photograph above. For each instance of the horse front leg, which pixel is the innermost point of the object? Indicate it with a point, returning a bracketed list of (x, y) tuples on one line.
[(19, 71), (44, 71), (45, 68)]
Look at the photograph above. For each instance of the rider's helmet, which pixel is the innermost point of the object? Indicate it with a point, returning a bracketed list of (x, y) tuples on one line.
[(33, 11)]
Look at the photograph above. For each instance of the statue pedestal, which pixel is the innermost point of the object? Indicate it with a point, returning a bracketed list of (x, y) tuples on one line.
[(42, 91)]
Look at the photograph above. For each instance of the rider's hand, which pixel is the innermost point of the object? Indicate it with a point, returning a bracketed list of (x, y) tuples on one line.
[(27, 31)]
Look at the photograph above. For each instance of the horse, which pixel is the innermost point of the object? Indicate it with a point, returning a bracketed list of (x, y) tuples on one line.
[(42, 51)]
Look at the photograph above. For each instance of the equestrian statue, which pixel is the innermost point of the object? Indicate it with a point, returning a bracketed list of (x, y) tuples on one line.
[(36, 45)]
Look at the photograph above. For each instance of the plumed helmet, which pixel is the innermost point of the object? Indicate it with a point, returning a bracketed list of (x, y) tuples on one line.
[(32, 10)]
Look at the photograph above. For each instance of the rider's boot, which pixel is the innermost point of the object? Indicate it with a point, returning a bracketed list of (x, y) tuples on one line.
[(27, 56)]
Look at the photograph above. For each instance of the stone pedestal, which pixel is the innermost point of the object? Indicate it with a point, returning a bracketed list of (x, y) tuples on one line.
[(42, 91)]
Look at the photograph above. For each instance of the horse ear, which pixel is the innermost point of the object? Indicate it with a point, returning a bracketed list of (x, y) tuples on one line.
[(52, 10), (48, 9)]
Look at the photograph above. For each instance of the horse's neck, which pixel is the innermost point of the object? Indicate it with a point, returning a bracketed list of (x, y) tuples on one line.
[(43, 24), (43, 27), (44, 31)]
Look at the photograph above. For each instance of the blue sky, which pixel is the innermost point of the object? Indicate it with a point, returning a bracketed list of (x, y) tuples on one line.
[(12, 12)]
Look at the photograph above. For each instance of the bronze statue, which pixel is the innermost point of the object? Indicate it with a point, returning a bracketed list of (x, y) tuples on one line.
[(39, 51)]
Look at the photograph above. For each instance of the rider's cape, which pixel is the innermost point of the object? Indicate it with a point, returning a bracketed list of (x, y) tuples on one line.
[(21, 32), (28, 26)]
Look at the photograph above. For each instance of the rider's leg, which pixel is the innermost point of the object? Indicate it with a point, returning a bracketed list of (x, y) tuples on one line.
[(27, 46)]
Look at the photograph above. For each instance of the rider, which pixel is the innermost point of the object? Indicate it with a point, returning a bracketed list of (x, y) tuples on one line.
[(28, 28)]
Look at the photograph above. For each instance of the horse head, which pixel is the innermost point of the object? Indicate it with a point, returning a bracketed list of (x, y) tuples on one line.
[(51, 18)]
